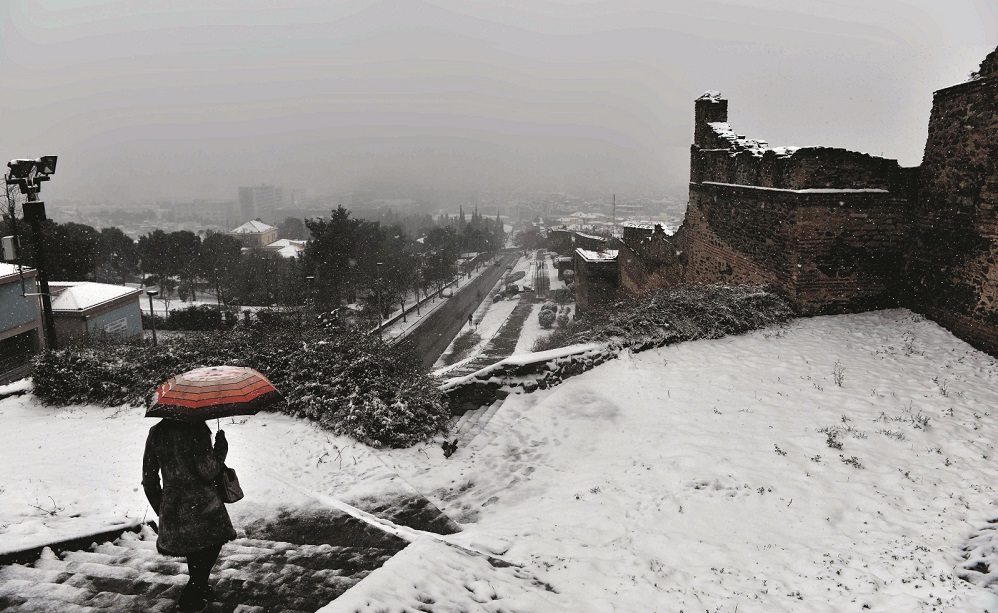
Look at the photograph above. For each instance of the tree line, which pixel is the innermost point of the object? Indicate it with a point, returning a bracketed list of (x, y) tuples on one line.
[(354, 259), (340, 262)]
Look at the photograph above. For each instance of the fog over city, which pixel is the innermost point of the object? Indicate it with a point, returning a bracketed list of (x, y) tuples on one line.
[(190, 99)]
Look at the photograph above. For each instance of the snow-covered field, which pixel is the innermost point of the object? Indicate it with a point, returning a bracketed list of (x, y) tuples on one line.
[(836, 464)]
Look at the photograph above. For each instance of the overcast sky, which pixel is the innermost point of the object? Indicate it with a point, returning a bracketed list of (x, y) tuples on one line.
[(143, 100)]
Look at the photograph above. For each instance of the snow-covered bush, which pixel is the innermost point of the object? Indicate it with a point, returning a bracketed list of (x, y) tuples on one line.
[(564, 317), (350, 383), (563, 295), (546, 317), (684, 313)]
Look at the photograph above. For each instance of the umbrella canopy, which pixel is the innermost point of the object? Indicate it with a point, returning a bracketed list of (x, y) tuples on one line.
[(213, 392)]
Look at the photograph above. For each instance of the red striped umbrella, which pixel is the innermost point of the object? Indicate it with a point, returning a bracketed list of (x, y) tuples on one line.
[(213, 392)]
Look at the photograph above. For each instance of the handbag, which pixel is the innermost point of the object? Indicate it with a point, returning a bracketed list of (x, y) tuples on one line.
[(228, 485)]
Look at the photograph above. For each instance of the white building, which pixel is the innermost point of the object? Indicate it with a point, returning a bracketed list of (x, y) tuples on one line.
[(254, 233)]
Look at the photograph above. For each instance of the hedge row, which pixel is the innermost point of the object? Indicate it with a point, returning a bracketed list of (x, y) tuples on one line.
[(686, 313), (351, 384)]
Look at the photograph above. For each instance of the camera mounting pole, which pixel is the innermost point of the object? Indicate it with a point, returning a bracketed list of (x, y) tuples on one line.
[(28, 175)]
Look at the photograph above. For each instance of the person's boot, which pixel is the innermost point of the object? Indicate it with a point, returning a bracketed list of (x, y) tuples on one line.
[(195, 604), (194, 599)]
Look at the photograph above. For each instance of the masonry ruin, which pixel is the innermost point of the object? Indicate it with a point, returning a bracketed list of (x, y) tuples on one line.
[(951, 272), (827, 227), (839, 231)]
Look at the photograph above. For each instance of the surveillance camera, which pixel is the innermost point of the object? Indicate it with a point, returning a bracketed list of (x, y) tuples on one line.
[(46, 164), (20, 169)]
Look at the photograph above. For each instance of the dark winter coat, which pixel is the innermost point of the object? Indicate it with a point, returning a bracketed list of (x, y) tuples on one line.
[(191, 514)]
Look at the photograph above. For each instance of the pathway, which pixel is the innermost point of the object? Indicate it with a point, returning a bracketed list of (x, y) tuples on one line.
[(501, 345), (288, 564), (292, 561)]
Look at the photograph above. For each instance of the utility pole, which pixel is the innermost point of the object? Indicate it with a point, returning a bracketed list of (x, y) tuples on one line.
[(34, 213), (615, 214)]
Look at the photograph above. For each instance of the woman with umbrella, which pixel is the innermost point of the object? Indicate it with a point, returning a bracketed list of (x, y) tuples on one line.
[(193, 521)]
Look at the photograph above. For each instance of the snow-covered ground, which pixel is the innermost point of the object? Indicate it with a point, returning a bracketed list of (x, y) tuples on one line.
[(836, 464)]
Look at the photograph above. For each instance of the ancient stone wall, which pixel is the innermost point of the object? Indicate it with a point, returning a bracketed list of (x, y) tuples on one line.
[(827, 227), (637, 275), (650, 242), (589, 242), (737, 235), (597, 283), (953, 269), (561, 241), (850, 249), (841, 231)]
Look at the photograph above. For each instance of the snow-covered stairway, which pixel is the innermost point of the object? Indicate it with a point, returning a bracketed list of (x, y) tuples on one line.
[(473, 429), (472, 423), (253, 575)]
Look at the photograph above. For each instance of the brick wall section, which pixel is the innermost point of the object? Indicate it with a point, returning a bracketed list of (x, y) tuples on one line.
[(597, 284), (828, 227), (804, 168), (637, 275), (651, 243), (953, 269), (648, 258), (589, 242), (830, 252), (850, 249), (561, 241), (737, 235)]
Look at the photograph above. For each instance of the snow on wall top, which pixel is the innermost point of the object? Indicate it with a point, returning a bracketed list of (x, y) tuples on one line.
[(592, 236), (650, 225), (713, 96), (807, 190), (74, 296), (739, 143), (597, 256)]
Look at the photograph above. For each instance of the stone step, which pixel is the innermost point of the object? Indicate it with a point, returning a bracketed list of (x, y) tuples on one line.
[(476, 416), (462, 422), (252, 575), (489, 432), (469, 435)]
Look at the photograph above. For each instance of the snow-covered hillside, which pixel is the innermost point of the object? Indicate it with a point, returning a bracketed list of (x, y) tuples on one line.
[(836, 464)]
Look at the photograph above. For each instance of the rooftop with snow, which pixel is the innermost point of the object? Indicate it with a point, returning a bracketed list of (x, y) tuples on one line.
[(82, 295)]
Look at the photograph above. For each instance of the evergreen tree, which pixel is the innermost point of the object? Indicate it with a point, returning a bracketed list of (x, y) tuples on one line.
[(117, 256)]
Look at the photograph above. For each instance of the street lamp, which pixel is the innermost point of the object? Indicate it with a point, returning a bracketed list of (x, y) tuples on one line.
[(152, 313), (27, 175), (379, 296)]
